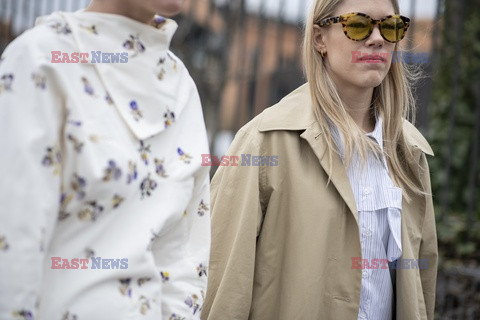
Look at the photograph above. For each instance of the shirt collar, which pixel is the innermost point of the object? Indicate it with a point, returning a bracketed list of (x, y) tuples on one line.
[(337, 136), (157, 35), (150, 88), (377, 133)]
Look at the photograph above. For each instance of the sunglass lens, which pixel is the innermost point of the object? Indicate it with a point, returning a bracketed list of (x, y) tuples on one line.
[(358, 27), (393, 29)]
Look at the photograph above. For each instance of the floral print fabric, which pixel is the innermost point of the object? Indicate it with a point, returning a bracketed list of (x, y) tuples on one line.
[(101, 161)]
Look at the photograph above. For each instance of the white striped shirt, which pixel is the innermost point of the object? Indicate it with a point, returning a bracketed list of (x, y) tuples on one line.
[(379, 205)]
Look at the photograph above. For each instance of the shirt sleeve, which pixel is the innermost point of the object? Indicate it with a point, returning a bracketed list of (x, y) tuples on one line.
[(30, 168), (236, 219)]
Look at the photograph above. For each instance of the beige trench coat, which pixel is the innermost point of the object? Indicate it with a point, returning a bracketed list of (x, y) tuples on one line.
[(282, 239)]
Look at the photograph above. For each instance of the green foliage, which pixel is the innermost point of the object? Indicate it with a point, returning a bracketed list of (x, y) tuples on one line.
[(458, 238)]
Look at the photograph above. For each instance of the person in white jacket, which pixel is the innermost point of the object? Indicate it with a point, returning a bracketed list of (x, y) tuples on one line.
[(104, 203)]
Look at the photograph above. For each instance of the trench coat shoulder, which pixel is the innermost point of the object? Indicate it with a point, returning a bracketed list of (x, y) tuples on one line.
[(292, 113), (415, 138)]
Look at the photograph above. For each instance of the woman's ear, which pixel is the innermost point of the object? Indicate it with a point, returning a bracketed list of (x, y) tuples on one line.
[(319, 39)]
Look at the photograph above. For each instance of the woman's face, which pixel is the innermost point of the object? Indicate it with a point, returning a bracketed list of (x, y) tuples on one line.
[(342, 53)]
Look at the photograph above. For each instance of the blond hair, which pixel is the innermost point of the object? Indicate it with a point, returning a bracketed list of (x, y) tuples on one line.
[(392, 100)]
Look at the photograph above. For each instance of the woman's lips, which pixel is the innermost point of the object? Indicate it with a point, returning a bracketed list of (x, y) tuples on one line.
[(365, 57), (373, 60)]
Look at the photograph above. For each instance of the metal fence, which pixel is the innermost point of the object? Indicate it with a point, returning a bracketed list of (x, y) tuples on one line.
[(244, 59)]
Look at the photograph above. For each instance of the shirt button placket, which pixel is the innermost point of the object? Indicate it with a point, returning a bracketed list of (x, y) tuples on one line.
[(365, 274), (367, 191), (367, 232)]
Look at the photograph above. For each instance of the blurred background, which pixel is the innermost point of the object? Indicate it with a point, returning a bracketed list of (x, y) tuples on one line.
[(245, 55)]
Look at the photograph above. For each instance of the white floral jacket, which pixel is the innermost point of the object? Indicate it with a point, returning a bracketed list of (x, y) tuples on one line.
[(104, 203)]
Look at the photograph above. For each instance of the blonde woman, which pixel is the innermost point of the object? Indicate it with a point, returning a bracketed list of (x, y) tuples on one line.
[(104, 202), (343, 227)]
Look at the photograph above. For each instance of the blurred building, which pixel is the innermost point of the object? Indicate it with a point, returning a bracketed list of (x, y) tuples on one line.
[(254, 58), (242, 60)]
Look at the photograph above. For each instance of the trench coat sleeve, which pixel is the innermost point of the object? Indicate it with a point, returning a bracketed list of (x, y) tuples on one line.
[(236, 219), (428, 247), (30, 169)]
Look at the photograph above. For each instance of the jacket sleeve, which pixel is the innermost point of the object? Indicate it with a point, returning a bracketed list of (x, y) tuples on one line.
[(183, 264), (429, 248), (183, 250), (236, 220), (30, 168)]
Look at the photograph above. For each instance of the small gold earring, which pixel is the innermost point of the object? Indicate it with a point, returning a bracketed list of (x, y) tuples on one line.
[(323, 53)]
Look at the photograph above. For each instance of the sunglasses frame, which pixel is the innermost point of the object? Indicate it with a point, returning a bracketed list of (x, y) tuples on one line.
[(344, 18)]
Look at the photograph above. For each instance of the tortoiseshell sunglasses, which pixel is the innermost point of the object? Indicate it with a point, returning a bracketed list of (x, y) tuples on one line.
[(358, 26)]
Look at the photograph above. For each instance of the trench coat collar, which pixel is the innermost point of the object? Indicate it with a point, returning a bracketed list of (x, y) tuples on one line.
[(294, 113)]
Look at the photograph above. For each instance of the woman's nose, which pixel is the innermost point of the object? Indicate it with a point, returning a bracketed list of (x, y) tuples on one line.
[(375, 39)]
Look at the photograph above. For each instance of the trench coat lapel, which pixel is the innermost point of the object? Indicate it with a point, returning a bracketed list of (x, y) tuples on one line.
[(338, 175), (294, 113)]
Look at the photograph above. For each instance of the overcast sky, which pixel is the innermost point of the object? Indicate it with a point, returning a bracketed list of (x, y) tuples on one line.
[(295, 10)]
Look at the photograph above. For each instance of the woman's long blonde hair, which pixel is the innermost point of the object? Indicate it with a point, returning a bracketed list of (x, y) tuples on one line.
[(392, 100)]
